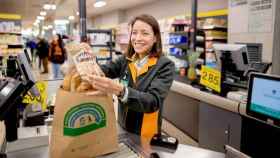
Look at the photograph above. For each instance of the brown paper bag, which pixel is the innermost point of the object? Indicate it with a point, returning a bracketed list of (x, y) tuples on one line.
[(83, 126)]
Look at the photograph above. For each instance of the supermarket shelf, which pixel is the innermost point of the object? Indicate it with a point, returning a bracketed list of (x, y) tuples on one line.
[(215, 38), (179, 32), (11, 45), (8, 54), (211, 27), (99, 31), (183, 57), (181, 45), (210, 50), (99, 45), (15, 46), (11, 33)]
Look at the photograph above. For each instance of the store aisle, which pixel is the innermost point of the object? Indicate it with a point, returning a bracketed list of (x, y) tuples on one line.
[(38, 74)]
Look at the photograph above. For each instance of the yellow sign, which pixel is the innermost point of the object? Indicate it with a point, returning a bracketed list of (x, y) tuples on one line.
[(210, 78), (10, 16), (38, 100)]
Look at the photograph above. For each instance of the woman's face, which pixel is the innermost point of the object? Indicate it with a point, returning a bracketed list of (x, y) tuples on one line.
[(142, 37), (55, 38)]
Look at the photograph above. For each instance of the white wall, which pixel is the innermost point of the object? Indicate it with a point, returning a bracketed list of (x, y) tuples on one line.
[(159, 9), (276, 41), (111, 18), (238, 31)]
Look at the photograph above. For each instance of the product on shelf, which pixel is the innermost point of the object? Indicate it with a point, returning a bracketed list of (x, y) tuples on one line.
[(99, 39), (10, 37), (215, 22), (177, 39), (10, 27), (122, 37)]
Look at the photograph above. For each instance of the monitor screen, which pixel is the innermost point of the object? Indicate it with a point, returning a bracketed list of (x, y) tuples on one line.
[(26, 72), (254, 51), (264, 97), (238, 54)]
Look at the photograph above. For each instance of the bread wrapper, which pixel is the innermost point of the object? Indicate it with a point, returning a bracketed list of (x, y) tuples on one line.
[(83, 65)]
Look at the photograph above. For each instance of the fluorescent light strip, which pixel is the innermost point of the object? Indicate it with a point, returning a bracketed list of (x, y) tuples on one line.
[(99, 3)]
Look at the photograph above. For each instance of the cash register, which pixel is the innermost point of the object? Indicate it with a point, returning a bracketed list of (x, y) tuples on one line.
[(236, 62), (12, 90)]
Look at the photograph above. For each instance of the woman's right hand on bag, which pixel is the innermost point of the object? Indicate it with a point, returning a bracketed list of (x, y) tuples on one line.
[(105, 85)]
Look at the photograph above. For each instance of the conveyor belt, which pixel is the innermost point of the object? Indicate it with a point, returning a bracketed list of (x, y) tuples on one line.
[(124, 152)]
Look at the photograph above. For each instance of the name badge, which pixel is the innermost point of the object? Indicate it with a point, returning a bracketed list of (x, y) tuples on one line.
[(124, 80)]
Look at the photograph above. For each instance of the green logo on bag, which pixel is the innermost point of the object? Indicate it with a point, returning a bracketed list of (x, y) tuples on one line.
[(84, 118)]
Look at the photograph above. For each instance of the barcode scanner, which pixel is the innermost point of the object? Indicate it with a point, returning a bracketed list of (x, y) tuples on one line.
[(164, 141), (154, 155)]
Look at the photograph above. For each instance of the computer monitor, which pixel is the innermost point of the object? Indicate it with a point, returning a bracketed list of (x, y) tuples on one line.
[(238, 54), (254, 52), (264, 98), (26, 72), (27, 56)]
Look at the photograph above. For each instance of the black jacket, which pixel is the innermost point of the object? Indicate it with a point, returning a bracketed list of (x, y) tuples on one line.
[(146, 92), (43, 49)]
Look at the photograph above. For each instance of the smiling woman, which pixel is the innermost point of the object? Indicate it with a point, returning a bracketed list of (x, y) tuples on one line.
[(145, 78)]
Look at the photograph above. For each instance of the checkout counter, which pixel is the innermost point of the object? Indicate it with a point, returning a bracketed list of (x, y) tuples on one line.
[(130, 144), (214, 121), (2, 137), (209, 119)]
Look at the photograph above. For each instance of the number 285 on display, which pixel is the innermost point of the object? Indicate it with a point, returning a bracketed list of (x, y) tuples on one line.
[(210, 78)]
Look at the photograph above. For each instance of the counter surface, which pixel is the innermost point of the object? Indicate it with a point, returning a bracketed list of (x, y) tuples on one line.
[(2, 135), (141, 144), (212, 99), (183, 150)]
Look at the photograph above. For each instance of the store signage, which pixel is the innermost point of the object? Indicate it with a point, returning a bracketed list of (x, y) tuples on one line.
[(210, 78), (235, 3), (40, 100), (260, 16)]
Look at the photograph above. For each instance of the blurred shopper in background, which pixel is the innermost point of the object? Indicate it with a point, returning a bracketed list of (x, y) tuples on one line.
[(43, 52), (31, 44), (57, 55)]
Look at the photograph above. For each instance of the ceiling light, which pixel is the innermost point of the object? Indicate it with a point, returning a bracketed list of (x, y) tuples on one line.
[(61, 22), (40, 18), (77, 13), (47, 6), (53, 7), (99, 3), (43, 13), (71, 17)]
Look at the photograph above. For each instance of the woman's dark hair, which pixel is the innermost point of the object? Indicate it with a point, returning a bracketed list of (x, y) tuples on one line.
[(156, 50), (60, 44), (60, 41)]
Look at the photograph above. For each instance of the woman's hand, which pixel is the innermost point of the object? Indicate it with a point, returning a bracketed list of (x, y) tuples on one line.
[(105, 85)]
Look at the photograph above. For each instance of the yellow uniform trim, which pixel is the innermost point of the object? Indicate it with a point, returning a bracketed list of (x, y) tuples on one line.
[(149, 124), (150, 120), (133, 71)]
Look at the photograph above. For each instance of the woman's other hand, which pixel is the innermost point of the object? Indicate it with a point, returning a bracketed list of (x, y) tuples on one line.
[(105, 85)]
